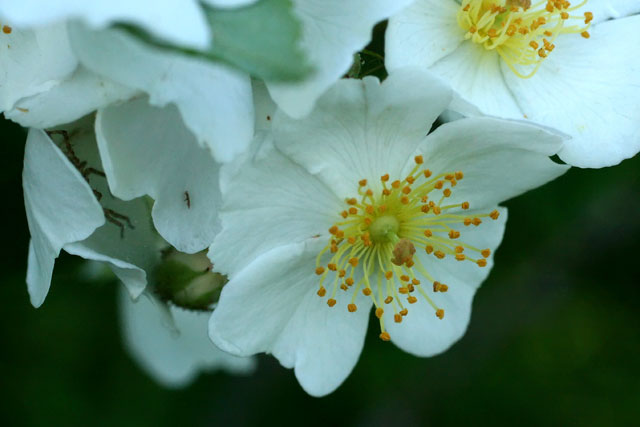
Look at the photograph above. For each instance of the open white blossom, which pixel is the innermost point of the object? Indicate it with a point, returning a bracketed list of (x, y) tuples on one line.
[(171, 343), (356, 207), (566, 65)]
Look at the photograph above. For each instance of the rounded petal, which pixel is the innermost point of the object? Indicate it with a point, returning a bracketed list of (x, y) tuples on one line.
[(173, 354), (500, 159), (264, 209), (271, 307), (178, 21), (421, 333), (214, 101), (60, 206), (422, 34), (476, 75), (148, 151), (75, 97), (32, 62), (332, 32), (363, 129), (588, 89)]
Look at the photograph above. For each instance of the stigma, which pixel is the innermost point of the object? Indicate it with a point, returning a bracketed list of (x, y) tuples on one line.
[(371, 249), (523, 34)]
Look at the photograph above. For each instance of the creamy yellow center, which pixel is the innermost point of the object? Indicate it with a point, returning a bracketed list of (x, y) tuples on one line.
[(523, 34), (371, 250)]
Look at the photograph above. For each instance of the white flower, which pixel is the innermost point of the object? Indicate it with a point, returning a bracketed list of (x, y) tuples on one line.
[(171, 343), (179, 21), (322, 226), (583, 77), (143, 151)]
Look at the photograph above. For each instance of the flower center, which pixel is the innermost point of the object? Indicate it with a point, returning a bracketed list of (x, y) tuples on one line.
[(375, 242), (523, 34)]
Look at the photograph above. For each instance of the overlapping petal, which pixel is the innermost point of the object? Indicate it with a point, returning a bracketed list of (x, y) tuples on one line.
[(148, 151), (170, 343), (215, 102), (333, 31)]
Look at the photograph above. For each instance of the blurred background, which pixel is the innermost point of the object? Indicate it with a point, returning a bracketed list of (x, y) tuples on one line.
[(554, 336)]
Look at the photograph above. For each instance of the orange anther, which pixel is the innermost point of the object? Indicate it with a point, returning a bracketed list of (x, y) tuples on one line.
[(353, 210), (439, 254), (482, 262), (460, 257), (319, 270), (388, 300), (385, 177), (333, 229), (427, 173), (352, 308), (494, 215), (397, 318), (428, 233), (404, 200), (349, 281), (436, 210), (425, 208), (585, 34), (6, 29), (459, 175), (418, 159), (344, 214), (343, 287), (440, 313), (453, 234), (366, 291), (459, 249), (447, 192), (386, 191), (467, 221), (352, 201), (341, 273), (403, 290), (412, 299), (415, 281), (438, 185), (404, 278), (409, 263), (351, 239), (322, 292), (379, 312), (476, 221), (340, 234), (465, 205), (429, 249), (369, 192), (384, 336), (331, 302), (406, 190), (410, 179), (444, 288), (404, 312), (486, 252), (362, 182), (396, 184), (388, 275)]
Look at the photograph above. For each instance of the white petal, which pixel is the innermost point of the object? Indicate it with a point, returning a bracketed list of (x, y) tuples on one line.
[(32, 62), (271, 306), (423, 334), (476, 75), (173, 354), (61, 208), (589, 89), (179, 21), (148, 151), (269, 202), (608, 9), (215, 102), (422, 34), (332, 31), (362, 129), (77, 96), (229, 3), (500, 159)]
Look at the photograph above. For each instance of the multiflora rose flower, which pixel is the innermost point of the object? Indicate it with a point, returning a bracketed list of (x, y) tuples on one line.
[(567, 65), (357, 207)]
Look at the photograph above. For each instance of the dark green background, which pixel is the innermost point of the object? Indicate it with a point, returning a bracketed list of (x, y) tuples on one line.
[(554, 337)]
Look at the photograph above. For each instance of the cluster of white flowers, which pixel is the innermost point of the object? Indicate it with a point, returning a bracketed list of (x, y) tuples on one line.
[(252, 200)]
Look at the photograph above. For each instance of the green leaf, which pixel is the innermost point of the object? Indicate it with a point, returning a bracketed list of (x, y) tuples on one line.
[(262, 39)]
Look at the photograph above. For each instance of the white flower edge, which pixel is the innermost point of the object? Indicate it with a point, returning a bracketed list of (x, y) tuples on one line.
[(270, 303), (171, 344), (332, 32), (63, 213), (215, 101), (33, 61), (576, 90), (148, 151), (179, 21)]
